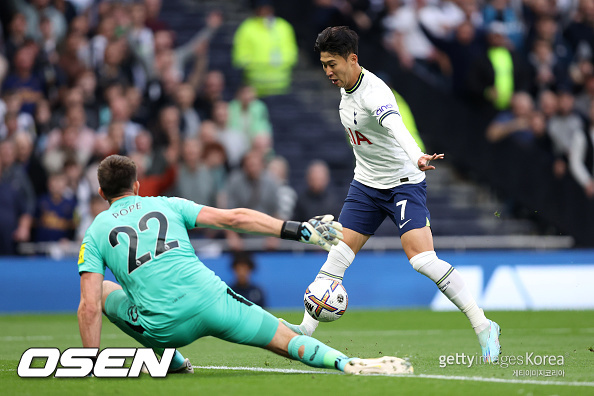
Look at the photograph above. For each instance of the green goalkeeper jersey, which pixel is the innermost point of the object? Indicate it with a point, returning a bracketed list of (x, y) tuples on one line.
[(144, 242)]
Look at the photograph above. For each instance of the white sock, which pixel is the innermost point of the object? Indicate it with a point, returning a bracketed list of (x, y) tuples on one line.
[(339, 259), (309, 324), (450, 283)]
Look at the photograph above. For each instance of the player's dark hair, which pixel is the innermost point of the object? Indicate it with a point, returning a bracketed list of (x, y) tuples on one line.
[(338, 40), (116, 175)]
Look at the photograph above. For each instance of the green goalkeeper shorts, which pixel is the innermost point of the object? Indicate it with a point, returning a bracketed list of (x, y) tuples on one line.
[(231, 318)]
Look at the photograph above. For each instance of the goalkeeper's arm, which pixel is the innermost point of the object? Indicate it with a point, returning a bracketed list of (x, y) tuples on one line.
[(320, 230)]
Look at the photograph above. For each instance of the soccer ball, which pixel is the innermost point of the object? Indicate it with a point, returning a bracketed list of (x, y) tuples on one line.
[(325, 300)]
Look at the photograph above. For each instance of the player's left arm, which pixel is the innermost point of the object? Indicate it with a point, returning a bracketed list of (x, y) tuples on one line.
[(89, 309), (385, 110), (395, 127)]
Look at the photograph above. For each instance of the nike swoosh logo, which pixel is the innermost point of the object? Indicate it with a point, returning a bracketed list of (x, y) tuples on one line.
[(403, 224), (314, 354)]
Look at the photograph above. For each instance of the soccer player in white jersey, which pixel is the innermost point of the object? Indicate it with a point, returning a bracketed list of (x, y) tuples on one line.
[(389, 181)]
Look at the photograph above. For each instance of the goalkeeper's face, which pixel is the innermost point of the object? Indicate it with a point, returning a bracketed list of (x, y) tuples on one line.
[(342, 72)]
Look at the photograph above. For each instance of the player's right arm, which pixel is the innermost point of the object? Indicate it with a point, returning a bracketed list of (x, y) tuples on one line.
[(321, 231), (89, 309), (91, 268)]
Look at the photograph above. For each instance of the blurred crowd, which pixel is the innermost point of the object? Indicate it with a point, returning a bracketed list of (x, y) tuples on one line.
[(530, 60), (83, 79)]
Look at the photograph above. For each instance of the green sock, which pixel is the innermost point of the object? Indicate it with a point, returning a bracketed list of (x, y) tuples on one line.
[(176, 363), (317, 354)]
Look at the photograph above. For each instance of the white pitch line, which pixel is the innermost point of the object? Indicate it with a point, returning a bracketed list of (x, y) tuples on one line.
[(267, 370), (359, 333), (426, 376)]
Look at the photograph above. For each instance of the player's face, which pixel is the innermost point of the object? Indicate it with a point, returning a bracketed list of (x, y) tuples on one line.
[(338, 69)]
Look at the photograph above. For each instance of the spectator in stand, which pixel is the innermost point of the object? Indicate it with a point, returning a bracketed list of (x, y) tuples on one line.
[(142, 41), (460, 49), (579, 33), (278, 167), (153, 9), (35, 11), (156, 184), (214, 159), (87, 83), (55, 212), (561, 129), (581, 157), (168, 129), (16, 216), (190, 120), (11, 103), (236, 144), (318, 196), (17, 35), (497, 72), (23, 80), (119, 109), (75, 55), (104, 34), (584, 100), (65, 145), (175, 60), (502, 11), (113, 68), (30, 162), (409, 43), (96, 206), (43, 123), (194, 181), (243, 266), (251, 187), (265, 48), (84, 137), (548, 104), (547, 72), (249, 116), (515, 123), (212, 92), (546, 28)]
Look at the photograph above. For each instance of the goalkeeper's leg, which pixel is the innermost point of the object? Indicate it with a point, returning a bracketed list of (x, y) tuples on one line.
[(117, 308), (314, 353)]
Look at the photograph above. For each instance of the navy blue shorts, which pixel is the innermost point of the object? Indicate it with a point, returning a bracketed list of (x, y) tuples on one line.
[(365, 208)]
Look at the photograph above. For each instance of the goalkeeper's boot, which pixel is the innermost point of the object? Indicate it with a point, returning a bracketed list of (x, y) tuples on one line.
[(185, 368), (295, 328), (489, 340), (387, 365)]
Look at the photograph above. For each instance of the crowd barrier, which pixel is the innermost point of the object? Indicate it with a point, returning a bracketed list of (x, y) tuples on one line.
[(503, 279)]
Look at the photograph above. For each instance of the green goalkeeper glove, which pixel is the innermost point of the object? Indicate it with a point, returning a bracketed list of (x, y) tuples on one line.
[(320, 230)]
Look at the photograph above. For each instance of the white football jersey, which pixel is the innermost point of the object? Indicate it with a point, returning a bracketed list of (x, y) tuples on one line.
[(369, 114)]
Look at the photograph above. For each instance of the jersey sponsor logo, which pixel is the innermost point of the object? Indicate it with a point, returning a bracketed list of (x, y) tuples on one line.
[(383, 108), (82, 362), (356, 138), (81, 254)]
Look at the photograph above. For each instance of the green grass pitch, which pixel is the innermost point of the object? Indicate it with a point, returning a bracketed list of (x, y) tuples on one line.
[(423, 336)]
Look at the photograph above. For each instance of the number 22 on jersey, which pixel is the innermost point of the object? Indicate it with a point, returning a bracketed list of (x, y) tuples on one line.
[(134, 262)]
